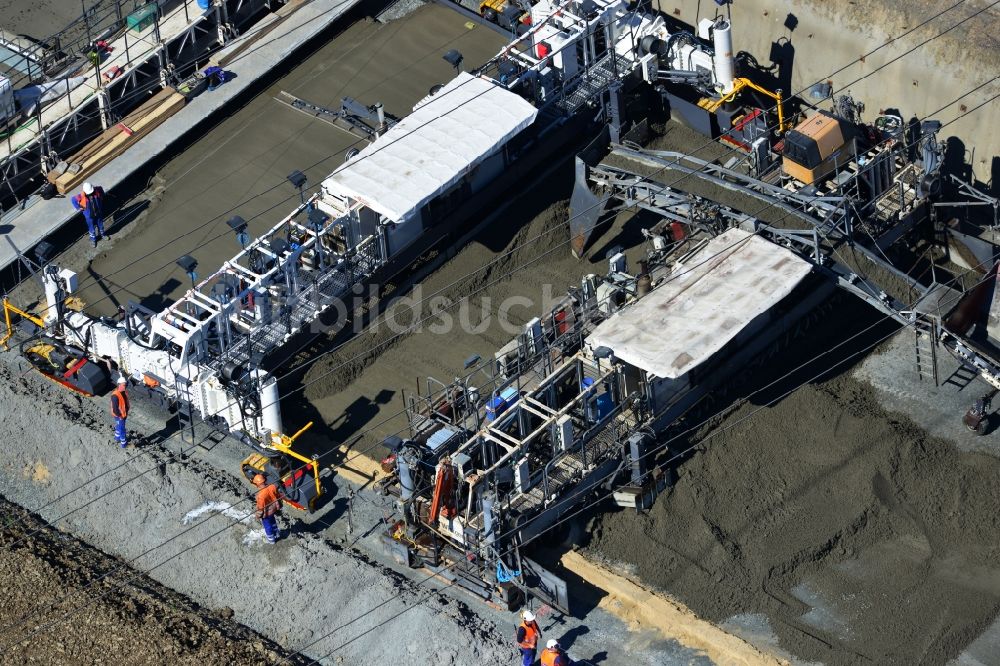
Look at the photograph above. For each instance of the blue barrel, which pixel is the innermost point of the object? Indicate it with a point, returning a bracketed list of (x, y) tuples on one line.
[(603, 405), (495, 406), (204, 4)]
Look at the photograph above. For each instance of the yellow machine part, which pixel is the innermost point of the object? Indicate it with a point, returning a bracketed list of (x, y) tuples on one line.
[(829, 137), (713, 105), (495, 5), (43, 349), (283, 444), (11, 309)]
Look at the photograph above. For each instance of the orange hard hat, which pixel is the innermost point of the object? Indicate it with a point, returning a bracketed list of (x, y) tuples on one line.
[(258, 480)]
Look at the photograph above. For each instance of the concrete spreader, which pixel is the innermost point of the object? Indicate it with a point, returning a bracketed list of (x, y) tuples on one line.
[(240, 167)]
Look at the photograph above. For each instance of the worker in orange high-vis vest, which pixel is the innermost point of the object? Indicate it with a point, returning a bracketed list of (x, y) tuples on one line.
[(268, 506), (553, 654), (528, 635), (91, 202), (119, 410)]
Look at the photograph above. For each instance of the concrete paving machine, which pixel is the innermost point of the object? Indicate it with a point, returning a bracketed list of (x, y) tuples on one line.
[(583, 401), (296, 476)]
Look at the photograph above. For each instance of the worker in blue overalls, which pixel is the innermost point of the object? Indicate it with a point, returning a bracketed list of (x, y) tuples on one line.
[(119, 410), (91, 202)]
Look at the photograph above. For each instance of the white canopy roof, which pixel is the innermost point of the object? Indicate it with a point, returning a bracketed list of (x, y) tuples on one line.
[(702, 305), (444, 138)]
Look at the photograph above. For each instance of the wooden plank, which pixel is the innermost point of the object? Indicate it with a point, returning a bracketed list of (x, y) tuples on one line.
[(118, 141), (107, 135)]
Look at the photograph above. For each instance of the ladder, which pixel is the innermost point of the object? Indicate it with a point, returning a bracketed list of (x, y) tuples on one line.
[(925, 346), (185, 410)]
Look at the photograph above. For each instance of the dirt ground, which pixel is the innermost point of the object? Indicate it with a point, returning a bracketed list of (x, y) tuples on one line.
[(134, 618)]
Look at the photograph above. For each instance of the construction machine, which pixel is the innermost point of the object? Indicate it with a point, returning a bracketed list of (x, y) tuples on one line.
[(509, 14), (816, 147), (55, 356), (296, 476)]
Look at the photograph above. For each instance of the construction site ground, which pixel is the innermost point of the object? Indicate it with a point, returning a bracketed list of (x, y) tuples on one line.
[(852, 520), (120, 613)]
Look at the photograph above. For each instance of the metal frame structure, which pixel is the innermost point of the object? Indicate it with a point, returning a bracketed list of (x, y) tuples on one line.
[(152, 60), (488, 468)]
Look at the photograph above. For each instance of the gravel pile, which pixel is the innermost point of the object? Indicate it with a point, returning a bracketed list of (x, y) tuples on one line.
[(133, 617)]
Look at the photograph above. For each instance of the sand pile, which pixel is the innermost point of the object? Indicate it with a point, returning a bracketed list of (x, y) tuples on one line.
[(858, 536)]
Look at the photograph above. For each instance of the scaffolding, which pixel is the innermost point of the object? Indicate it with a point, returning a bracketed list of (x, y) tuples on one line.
[(104, 64)]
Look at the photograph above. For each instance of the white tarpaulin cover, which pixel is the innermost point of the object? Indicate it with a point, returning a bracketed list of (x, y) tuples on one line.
[(702, 305), (29, 96), (428, 151)]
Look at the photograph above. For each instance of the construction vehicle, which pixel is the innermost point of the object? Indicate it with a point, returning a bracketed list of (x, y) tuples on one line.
[(816, 147), (46, 345), (739, 134), (296, 476), (509, 14)]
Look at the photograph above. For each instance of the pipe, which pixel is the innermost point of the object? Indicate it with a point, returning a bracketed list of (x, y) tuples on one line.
[(722, 39), (270, 407)]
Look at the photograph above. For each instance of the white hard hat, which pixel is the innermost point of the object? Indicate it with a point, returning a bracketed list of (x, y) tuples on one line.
[(122, 379), (528, 616), (551, 643), (88, 188)]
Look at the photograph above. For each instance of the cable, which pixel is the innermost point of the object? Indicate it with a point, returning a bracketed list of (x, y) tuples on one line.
[(651, 452), (486, 286), (299, 369), (229, 525)]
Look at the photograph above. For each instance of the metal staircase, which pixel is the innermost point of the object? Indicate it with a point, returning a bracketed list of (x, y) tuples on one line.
[(925, 346)]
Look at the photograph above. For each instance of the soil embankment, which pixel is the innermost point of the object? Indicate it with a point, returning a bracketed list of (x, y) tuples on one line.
[(860, 538), (98, 608)]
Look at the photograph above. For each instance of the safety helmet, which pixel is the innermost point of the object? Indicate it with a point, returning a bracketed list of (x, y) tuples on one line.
[(258, 479), (528, 616), (552, 643), (122, 379), (88, 188)]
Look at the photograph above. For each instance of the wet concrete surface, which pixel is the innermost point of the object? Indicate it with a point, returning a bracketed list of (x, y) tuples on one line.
[(240, 167), (41, 18)]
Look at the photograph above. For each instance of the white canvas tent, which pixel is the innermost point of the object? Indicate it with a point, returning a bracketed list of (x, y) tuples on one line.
[(702, 305), (423, 155)]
